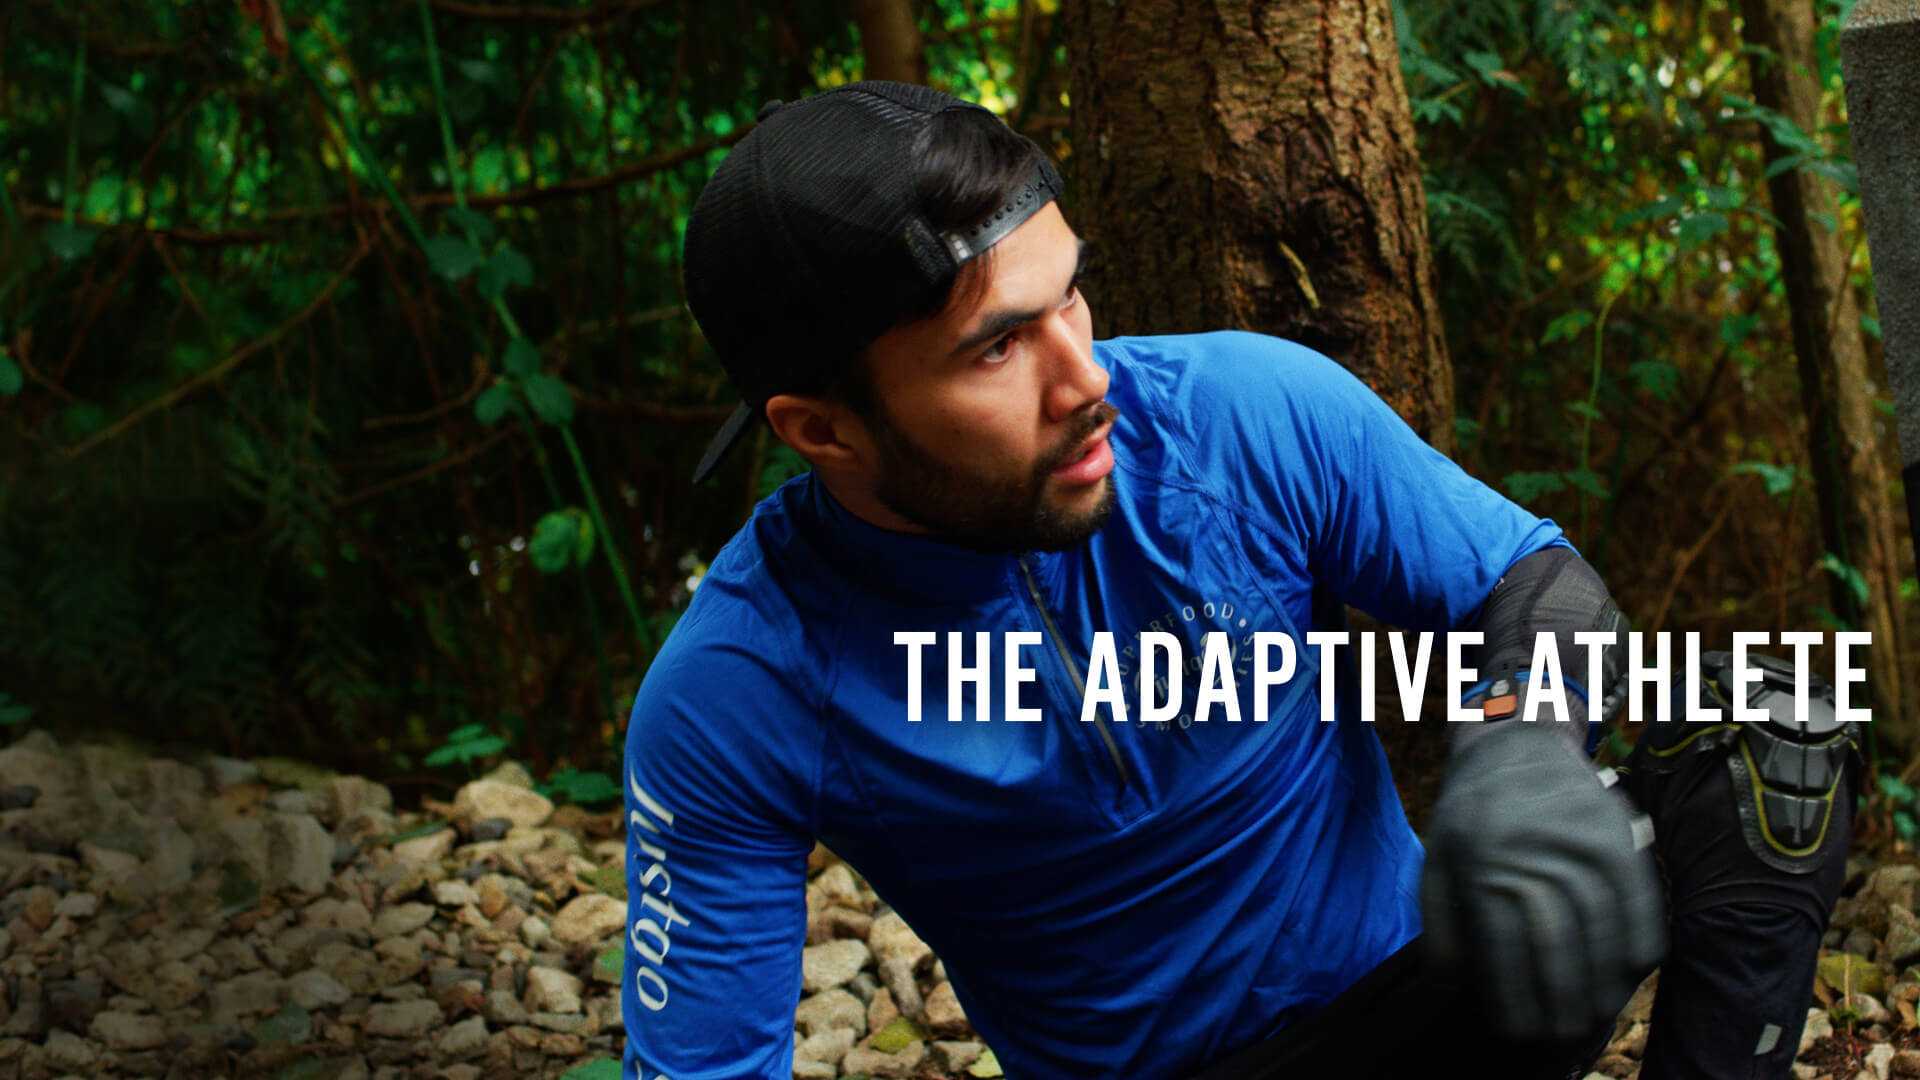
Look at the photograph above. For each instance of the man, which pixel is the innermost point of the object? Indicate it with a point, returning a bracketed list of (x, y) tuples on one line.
[(889, 281)]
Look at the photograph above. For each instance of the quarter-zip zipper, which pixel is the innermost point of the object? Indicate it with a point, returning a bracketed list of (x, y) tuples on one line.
[(1073, 669)]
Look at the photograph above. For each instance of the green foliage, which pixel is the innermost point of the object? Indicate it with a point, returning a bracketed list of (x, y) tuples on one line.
[(452, 257), (611, 960), (597, 1069), (551, 400), (582, 787), (1777, 478), (13, 713), (337, 530), (1848, 574), (561, 539), (466, 745)]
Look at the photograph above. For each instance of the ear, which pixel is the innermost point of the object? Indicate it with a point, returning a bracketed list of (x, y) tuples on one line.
[(824, 432)]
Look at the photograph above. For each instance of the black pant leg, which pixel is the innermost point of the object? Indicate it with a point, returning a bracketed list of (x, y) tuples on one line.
[(1744, 936), (1406, 1019)]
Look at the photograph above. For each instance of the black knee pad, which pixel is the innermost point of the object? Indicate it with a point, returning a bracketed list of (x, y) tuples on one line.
[(1754, 811)]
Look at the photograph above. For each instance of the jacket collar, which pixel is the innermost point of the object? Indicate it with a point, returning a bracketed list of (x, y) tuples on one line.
[(910, 567)]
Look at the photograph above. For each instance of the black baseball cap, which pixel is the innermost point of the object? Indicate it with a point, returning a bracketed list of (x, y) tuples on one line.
[(808, 242)]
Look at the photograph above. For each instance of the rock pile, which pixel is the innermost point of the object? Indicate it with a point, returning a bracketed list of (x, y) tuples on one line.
[(268, 919), (265, 918), (876, 1001)]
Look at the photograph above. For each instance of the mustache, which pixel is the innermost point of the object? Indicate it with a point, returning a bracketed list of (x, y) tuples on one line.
[(1098, 415)]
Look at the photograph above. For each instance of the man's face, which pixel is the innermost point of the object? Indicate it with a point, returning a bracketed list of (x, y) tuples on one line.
[(993, 421)]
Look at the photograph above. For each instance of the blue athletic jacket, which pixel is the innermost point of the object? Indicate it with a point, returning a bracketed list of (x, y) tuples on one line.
[(1110, 898)]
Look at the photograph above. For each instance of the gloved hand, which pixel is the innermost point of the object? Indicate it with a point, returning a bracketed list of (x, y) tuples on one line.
[(1535, 886)]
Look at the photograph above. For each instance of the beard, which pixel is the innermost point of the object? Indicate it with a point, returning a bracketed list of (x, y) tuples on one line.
[(1001, 511)]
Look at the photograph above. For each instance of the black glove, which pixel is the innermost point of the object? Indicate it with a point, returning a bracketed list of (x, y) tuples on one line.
[(1535, 884)]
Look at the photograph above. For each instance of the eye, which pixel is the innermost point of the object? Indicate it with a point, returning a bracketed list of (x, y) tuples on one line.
[(999, 351)]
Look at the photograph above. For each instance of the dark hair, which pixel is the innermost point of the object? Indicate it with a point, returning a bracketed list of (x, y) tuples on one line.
[(968, 163)]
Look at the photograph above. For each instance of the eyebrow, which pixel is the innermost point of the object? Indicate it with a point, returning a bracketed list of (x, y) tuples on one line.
[(1002, 321)]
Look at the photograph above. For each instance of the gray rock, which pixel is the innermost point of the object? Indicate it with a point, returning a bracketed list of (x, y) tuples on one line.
[(172, 790), (484, 799), (955, 1056), (1819, 1027), (891, 938), (564, 1023), (293, 801), (18, 796), (1867, 1007), (823, 967), (226, 772), (29, 1019), (829, 1046), (111, 869), (315, 989), (511, 772), (454, 894), (70, 1053), (348, 796), (943, 1013), (73, 1003), (175, 984), (430, 848), (401, 919), (126, 1031), (301, 851), (552, 990), (904, 1063), (489, 829), (257, 993), (403, 1019), (1903, 938), (170, 859), (291, 1026), (590, 918), (1880, 1059), (535, 932), (503, 1008), (831, 1009), (348, 915), (184, 943), (464, 1039), (38, 765), (897, 973), (286, 772)]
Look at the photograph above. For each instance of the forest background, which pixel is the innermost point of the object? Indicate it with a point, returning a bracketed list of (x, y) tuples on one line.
[(348, 398)]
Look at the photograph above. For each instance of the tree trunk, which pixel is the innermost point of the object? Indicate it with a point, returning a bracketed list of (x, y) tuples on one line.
[(1856, 518), (1250, 164), (890, 38)]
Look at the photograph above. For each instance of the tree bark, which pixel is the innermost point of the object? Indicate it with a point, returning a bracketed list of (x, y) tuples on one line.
[(890, 38), (1856, 518), (1252, 164)]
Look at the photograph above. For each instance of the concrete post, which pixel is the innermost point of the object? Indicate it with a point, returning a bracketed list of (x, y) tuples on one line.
[(1880, 60)]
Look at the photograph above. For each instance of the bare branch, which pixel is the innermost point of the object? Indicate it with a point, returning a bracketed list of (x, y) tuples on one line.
[(220, 370)]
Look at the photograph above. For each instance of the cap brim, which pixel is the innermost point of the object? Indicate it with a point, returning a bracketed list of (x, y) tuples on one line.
[(729, 434)]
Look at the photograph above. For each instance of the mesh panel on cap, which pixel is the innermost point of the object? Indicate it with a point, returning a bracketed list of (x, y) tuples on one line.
[(802, 248)]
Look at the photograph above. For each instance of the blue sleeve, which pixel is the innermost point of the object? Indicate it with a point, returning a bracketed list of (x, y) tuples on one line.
[(1393, 526), (717, 841)]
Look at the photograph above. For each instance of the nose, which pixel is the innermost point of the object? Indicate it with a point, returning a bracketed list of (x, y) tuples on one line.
[(1074, 381)]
